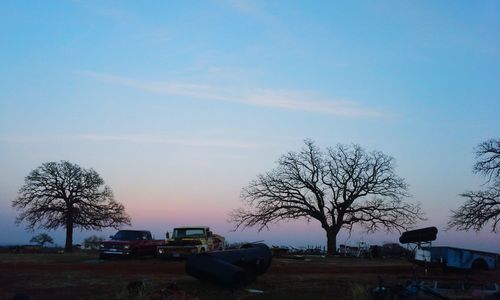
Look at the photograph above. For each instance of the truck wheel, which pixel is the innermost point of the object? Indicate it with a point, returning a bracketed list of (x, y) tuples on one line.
[(202, 250), (479, 264)]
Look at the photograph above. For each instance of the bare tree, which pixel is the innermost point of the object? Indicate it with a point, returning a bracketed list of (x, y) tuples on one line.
[(62, 194), (339, 188), (483, 206), (42, 239)]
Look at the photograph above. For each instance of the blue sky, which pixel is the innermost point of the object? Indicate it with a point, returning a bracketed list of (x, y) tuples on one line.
[(178, 105)]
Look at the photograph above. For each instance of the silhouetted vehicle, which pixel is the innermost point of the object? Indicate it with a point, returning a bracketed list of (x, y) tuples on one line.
[(129, 243)]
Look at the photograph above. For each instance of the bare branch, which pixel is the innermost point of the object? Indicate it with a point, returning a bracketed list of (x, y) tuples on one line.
[(488, 160), (481, 207)]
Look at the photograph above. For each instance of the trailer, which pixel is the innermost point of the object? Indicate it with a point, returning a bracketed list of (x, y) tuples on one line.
[(458, 258), (420, 242)]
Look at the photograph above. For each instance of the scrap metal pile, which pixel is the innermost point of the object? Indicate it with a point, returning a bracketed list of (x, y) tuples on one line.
[(297, 253)]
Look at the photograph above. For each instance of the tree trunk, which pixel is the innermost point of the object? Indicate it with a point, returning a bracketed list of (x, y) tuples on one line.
[(331, 241), (69, 235)]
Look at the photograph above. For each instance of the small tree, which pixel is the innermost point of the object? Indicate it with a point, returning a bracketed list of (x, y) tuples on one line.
[(42, 239), (62, 194), (482, 206), (340, 188), (92, 242)]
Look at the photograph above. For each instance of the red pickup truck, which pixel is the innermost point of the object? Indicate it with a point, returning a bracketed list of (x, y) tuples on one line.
[(129, 243)]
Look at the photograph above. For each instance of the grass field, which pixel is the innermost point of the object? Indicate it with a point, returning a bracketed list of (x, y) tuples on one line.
[(83, 276)]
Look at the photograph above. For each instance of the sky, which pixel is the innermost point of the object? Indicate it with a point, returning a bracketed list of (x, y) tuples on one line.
[(179, 104)]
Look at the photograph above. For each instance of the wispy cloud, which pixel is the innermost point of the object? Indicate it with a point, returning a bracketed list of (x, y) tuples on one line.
[(249, 8), (280, 99), (111, 12), (242, 5), (147, 139), (132, 138)]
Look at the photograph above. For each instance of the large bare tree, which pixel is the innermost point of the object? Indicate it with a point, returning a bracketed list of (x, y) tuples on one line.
[(62, 194), (339, 188), (482, 206)]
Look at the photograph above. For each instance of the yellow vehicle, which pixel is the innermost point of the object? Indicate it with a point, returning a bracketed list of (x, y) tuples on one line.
[(190, 240)]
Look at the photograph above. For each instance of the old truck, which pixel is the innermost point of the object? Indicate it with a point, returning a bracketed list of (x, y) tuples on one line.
[(190, 240), (129, 243)]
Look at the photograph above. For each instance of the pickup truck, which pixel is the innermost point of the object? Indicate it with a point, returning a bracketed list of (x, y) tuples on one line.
[(129, 243), (190, 240)]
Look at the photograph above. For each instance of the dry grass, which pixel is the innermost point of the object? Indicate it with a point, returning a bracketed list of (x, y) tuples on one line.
[(82, 276)]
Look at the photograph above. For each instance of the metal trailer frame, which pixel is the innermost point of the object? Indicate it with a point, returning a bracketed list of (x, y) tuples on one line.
[(458, 258)]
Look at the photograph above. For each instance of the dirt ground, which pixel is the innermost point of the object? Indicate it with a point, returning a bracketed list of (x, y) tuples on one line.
[(83, 276)]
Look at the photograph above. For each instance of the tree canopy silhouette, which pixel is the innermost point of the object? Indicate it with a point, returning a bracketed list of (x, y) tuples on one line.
[(339, 188), (62, 194), (42, 239), (481, 206)]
